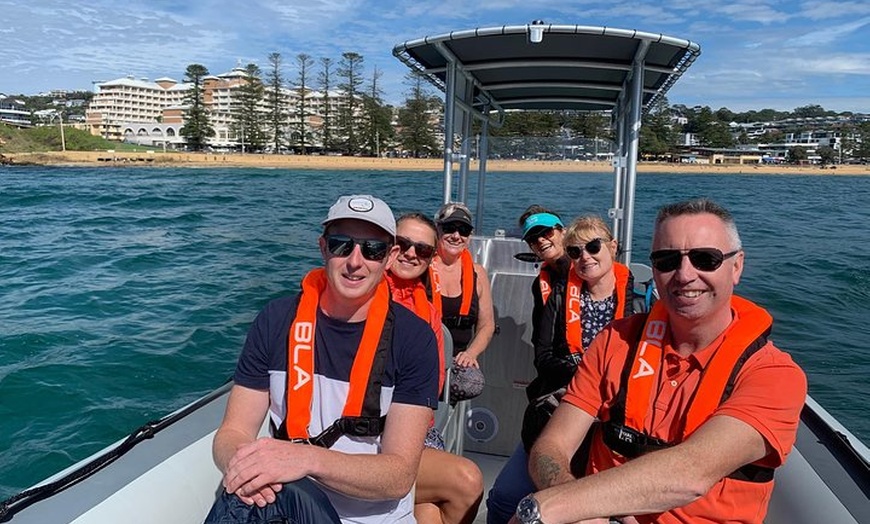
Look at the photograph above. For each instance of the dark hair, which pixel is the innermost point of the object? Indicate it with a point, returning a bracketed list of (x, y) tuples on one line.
[(699, 206), (534, 209)]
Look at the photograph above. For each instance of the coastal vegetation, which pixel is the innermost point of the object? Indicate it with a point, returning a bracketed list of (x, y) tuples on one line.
[(48, 138)]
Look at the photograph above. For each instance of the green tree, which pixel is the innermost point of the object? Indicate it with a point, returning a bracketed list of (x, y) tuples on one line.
[(658, 136), (276, 102), (796, 155), (589, 125), (827, 154), (304, 63), (810, 111), (377, 117), (709, 131), (528, 124), (197, 128), (247, 114), (768, 115), (858, 142), (324, 78), (416, 133), (723, 114), (770, 136), (350, 83)]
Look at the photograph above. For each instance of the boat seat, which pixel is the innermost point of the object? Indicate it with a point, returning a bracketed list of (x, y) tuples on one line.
[(645, 293), (445, 413)]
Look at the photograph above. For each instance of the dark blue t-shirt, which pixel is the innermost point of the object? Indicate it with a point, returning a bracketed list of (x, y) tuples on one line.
[(410, 377)]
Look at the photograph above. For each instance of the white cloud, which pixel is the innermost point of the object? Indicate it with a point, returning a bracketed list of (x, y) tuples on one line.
[(830, 33), (841, 64), (827, 10), (752, 50)]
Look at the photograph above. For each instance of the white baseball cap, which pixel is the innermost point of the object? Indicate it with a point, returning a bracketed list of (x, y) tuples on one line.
[(363, 207)]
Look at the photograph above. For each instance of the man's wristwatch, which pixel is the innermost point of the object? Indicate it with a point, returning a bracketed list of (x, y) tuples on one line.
[(528, 511)]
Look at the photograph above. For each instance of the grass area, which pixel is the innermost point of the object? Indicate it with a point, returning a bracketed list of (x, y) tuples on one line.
[(47, 138)]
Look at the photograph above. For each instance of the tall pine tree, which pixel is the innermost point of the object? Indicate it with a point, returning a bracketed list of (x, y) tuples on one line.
[(197, 128)]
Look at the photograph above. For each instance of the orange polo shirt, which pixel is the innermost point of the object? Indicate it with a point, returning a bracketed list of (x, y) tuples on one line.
[(768, 394)]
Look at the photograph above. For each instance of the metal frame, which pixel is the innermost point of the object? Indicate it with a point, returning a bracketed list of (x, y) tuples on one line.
[(485, 72), (447, 62)]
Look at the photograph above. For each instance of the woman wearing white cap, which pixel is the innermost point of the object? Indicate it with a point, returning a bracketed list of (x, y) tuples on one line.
[(460, 288)]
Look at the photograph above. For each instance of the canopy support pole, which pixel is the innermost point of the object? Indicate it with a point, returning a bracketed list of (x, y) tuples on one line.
[(449, 111)]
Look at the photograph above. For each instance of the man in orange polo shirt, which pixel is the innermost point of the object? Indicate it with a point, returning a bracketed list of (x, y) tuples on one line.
[(682, 438)]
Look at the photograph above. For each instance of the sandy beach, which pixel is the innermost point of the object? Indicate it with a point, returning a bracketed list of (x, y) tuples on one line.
[(211, 160)]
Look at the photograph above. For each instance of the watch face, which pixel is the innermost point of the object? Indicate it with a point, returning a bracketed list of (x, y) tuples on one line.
[(527, 510)]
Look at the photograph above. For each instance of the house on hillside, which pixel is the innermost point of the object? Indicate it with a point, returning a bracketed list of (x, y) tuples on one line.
[(12, 112)]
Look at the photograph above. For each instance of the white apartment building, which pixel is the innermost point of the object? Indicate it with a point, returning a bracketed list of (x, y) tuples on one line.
[(152, 113), (129, 100)]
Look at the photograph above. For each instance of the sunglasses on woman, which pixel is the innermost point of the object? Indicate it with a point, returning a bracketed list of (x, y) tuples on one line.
[(422, 250), (371, 249), (702, 258), (544, 232), (592, 247), (452, 227)]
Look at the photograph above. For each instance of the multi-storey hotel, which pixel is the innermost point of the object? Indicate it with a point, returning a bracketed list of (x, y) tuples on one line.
[(152, 113)]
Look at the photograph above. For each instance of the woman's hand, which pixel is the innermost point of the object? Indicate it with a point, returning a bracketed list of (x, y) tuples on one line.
[(463, 359)]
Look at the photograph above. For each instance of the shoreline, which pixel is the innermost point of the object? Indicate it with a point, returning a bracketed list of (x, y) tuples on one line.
[(211, 160)]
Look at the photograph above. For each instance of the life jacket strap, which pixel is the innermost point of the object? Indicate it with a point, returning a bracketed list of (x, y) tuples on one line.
[(352, 426), (459, 322), (631, 443)]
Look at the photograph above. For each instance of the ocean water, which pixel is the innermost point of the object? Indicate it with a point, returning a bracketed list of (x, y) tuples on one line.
[(126, 293)]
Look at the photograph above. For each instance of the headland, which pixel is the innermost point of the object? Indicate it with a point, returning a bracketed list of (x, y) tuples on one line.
[(321, 162)]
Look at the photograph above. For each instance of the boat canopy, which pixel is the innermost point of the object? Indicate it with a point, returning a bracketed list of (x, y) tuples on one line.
[(485, 72)]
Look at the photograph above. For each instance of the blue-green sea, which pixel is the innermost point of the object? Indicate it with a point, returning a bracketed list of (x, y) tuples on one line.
[(126, 293)]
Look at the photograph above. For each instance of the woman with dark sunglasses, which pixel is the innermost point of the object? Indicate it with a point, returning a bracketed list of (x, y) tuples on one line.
[(580, 289), (460, 288), (599, 288), (449, 488)]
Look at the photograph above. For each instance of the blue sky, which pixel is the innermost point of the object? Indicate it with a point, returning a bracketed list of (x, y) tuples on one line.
[(756, 54)]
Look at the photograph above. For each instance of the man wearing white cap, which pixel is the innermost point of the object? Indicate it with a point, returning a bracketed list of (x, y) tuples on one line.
[(348, 380)]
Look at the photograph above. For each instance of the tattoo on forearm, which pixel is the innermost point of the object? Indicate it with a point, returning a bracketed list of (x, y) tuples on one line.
[(548, 471)]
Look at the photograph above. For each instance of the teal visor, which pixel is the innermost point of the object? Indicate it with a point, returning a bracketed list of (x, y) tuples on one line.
[(540, 221)]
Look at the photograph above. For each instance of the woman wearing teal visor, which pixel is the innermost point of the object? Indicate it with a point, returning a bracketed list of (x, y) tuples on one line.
[(543, 231), (579, 290)]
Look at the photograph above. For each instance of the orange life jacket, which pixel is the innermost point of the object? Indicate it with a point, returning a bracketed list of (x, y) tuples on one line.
[(418, 293), (624, 431), (466, 278), (544, 283), (573, 323), (361, 413)]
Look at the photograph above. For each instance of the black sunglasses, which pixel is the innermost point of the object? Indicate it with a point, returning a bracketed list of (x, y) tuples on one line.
[(422, 250), (371, 249), (702, 258), (449, 228), (545, 232), (592, 247)]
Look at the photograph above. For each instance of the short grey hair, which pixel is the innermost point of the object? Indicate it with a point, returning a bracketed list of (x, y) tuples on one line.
[(700, 206)]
